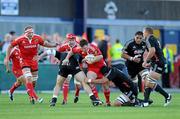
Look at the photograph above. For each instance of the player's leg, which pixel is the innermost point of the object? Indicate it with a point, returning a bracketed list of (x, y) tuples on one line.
[(65, 89), (151, 84), (29, 85), (13, 88), (19, 81), (93, 75), (106, 91), (34, 80), (80, 76), (59, 82), (159, 89), (77, 90)]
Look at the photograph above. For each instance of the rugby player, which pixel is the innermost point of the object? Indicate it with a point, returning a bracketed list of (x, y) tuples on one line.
[(155, 61), (16, 70), (133, 52), (70, 66), (124, 83), (94, 66), (28, 45)]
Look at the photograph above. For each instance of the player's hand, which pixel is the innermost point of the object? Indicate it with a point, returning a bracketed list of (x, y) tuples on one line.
[(36, 58), (88, 80), (146, 65), (65, 62), (6, 63), (8, 69), (56, 61), (89, 62), (137, 60)]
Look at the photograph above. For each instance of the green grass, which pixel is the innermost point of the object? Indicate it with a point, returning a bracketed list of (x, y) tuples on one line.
[(22, 109)]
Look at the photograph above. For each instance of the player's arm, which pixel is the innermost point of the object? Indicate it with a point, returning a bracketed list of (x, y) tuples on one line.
[(98, 55), (49, 45), (126, 49), (6, 60), (151, 48), (97, 81), (128, 57), (150, 54)]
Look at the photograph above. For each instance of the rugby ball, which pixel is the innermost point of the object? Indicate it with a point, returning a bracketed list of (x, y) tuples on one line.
[(90, 58)]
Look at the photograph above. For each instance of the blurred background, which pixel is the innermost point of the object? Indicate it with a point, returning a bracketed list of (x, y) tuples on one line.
[(96, 20)]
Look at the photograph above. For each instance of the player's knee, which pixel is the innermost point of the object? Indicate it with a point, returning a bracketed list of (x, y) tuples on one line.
[(28, 75), (144, 74), (34, 78), (150, 82), (77, 82), (60, 81), (68, 78), (19, 82)]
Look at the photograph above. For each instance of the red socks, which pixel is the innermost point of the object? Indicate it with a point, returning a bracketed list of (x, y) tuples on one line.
[(65, 90), (30, 90), (13, 88), (77, 91), (95, 92), (107, 96)]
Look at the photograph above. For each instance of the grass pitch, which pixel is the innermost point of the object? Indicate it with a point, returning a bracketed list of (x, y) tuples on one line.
[(20, 108)]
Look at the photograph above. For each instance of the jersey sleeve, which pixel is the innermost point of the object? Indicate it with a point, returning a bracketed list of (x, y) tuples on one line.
[(77, 50), (126, 48), (96, 50), (41, 41), (15, 42), (62, 48)]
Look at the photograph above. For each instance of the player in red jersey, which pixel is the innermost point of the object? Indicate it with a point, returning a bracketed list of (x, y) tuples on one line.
[(94, 67), (17, 71), (28, 45), (70, 66)]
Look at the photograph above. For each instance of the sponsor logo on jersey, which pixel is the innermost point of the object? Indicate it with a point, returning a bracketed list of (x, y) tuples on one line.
[(138, 51), (30, 46)]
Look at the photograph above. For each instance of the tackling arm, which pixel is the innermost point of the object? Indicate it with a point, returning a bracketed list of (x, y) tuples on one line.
[(49, 45), (150, 54), (98, 81)]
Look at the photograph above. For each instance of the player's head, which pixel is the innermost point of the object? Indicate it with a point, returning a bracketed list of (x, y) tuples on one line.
[(138, 37), (84, 45), (29, 32), (147, 31), (71, 39)]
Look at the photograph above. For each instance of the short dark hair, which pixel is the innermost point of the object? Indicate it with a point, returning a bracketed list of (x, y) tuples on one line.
[(117, 41), (28, 27), (83, 42), (139, 33), (12, 32), (149, 30)]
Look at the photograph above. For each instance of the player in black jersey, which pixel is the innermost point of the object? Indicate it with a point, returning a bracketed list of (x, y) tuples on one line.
[(155, 61), (133, 52), (70, 67), (123, 82)]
